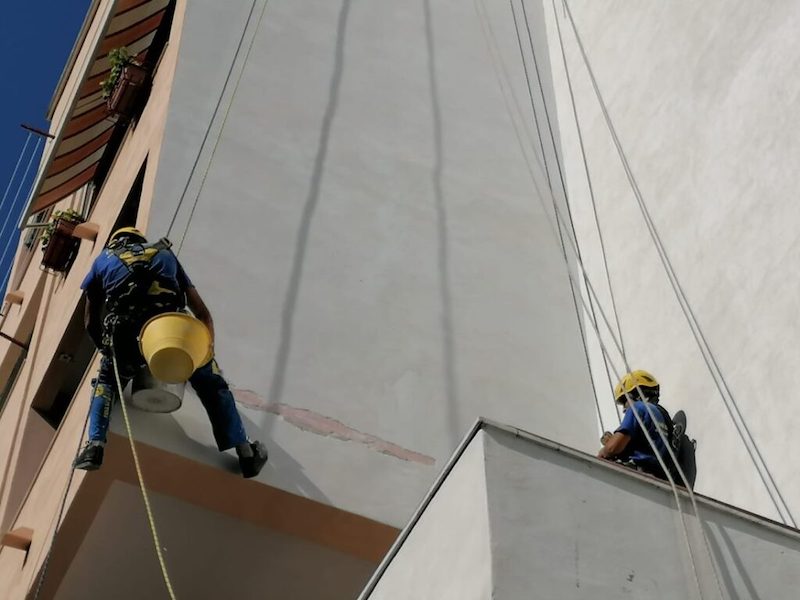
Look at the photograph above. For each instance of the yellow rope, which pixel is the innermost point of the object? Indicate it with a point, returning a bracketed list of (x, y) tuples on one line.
[(151, 521)]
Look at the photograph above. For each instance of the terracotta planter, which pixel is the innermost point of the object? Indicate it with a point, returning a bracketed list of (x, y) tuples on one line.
[(124, 100), (62, 248)]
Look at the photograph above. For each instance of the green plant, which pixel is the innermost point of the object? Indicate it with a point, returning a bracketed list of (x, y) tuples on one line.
[(118, 58), (69, 215)]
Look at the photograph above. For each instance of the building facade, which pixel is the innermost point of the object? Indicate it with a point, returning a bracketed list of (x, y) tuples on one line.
[(703, 101), (385, 255)]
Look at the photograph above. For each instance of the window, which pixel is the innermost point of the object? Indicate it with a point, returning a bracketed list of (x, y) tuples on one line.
[(151, 62)]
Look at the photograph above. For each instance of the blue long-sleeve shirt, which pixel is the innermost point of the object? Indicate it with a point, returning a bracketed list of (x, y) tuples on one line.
[(639, 449)]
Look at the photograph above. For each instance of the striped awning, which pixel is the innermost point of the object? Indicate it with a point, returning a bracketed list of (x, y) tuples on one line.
[(86, 133)]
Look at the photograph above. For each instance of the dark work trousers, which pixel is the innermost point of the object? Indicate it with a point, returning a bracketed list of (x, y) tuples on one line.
[(207, 382)]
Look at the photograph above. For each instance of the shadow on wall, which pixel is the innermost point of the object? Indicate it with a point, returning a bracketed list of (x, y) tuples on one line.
[(442, 252), (282, 468), (278, 380), (718, 533), (309, 208)]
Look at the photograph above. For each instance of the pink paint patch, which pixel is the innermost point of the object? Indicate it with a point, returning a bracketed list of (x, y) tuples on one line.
[(321, 425)]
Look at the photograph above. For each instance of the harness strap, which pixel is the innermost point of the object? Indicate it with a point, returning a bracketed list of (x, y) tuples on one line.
[(143, 291)]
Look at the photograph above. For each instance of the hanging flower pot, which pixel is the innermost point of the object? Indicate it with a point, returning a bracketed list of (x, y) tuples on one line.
[(124, 99), (58, 244), (123, 87)]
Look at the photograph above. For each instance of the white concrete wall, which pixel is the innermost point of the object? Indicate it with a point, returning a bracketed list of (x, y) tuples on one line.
[(704, 97), (370, 239), (448, 554), (566, 525)]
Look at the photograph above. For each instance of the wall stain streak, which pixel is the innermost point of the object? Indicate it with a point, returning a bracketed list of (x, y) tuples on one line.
[(316, 423)]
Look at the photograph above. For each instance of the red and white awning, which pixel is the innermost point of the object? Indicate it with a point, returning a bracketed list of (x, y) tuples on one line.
[(86, 133)]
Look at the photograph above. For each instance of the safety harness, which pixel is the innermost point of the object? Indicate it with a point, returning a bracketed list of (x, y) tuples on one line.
[(143, 289), (143, 293)]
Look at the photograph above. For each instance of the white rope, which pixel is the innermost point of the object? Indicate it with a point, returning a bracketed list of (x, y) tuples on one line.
[(729, 401)]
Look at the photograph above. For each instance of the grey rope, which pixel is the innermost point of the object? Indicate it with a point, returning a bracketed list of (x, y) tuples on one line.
[(591, 309), (589, 181), (549, 180), (211, 120), (503, 81), (709, 358), (665, 441), (224, 119)]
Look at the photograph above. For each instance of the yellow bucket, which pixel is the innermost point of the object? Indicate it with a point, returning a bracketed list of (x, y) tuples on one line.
[(174, 345)]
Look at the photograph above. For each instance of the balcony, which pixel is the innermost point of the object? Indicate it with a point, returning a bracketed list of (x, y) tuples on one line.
[(517, 516)]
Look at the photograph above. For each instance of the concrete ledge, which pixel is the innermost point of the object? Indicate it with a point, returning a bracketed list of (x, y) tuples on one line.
[(86, 231), (19, 538), (15, 297)]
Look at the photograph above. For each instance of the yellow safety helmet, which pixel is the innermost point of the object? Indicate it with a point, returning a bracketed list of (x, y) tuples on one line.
[(633, 380), (126, 232)]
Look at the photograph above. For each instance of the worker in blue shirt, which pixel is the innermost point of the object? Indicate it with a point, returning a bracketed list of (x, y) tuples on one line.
[(132, 281), (628, 444)]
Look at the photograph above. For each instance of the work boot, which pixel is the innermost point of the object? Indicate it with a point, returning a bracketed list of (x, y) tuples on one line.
[(90, 458), (252, 465)]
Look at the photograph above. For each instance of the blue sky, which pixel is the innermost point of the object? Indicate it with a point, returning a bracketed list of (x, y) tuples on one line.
[(36, 37)]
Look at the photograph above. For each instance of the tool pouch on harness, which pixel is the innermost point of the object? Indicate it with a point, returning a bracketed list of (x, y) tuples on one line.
[(141, 295)]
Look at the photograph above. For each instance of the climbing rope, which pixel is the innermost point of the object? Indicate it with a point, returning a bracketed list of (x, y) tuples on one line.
[(503, 81), (148, 509), (567, 203), (709, 358), (211, 122), (222, 126), (573, 244), (549, 179), (603, 253), (137, 464)]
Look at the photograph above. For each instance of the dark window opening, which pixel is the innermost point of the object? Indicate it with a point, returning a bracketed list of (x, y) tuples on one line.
[(151, 61), (130, 209), (66, 372), (5, 392)]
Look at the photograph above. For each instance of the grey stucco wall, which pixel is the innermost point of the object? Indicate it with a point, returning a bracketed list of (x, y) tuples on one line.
[(448, 553), (371, 242), (704, 99), (563, 525)]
